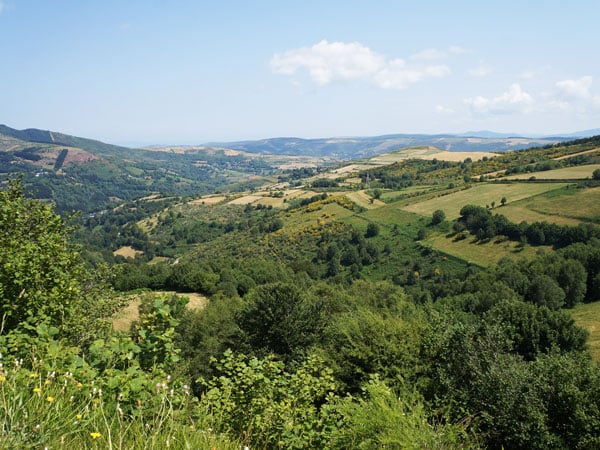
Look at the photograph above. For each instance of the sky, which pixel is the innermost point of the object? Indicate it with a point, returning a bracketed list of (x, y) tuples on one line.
[(139, 72)]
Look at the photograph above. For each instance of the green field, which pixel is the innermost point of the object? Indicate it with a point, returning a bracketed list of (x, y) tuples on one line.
[(480, 195), (482, 254), (580, 204), (567, 173), (588, 317)]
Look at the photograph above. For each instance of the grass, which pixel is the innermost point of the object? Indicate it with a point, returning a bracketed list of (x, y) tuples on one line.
[(566, 173), (482, 254), (522, 212), (481, 195), (588, 316)]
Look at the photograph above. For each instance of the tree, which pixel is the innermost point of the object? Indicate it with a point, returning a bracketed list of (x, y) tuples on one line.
[(40, 271), (596, 174), (372, 230), (503, 201), (43, 282), (438, 217), (279, 319)]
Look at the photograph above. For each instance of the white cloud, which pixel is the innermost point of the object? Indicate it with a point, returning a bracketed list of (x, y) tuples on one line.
[(480, 71), (440, 109), (515, 100), (327, 62), (575, 89)]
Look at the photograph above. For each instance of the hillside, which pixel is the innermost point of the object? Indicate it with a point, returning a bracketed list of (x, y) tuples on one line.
[(407, 185), (369, 295), (82, 174)]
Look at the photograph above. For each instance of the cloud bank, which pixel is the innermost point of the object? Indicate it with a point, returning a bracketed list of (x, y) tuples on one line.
[(327, 62)]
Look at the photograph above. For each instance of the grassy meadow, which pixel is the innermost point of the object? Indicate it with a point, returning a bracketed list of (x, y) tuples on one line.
[(566, 173), (481, 195)]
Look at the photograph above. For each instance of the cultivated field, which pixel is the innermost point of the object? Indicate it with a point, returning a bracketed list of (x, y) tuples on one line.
[(361, 198), (480, 195), (566, 173), (588, 316)]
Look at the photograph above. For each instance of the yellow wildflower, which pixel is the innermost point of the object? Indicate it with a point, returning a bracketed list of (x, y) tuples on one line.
[(95, 435), (2, 378), (37, 390), (32, 375), (78, 416), (49, 399), (47, 382)]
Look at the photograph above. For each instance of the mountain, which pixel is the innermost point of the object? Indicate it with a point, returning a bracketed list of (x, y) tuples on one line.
[(579, 134), (360, 147), (84, 174)]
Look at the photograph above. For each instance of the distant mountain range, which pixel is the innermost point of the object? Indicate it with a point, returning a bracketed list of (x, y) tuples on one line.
[(80, 173), (362, 147)]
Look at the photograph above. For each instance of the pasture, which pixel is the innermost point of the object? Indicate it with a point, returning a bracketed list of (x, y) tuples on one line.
[(481, 195), (481, 254), (566, 173), (565, 207)]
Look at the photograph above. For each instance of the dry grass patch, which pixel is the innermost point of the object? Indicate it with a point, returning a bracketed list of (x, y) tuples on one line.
[(123, 319), (128, 252), (245, 200), (208, 200)]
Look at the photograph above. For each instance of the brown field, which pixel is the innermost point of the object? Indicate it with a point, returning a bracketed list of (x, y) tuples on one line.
[(245, 200), (123, 319), (566, 173), (127, 252), (208, 200), (361, 198)]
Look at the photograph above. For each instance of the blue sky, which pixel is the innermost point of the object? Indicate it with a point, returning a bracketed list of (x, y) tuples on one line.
[(144, 72)]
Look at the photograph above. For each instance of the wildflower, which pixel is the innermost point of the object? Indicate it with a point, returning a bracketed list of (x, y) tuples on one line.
[(79, 385), (95, 435), (47, 382), (37, 390), (49, 399), (78, 416), (32, 375)]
